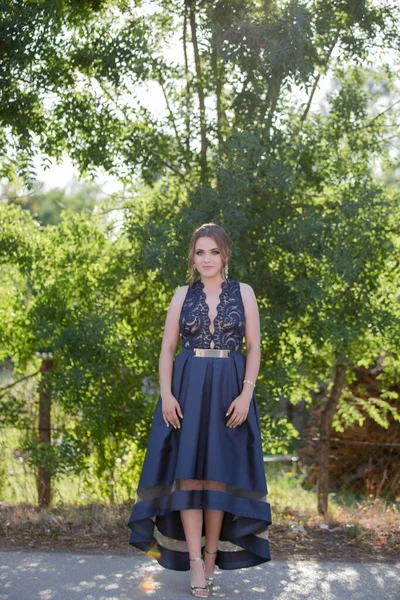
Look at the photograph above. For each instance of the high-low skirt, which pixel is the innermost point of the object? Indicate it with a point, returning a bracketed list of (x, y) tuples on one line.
[(204, 465)]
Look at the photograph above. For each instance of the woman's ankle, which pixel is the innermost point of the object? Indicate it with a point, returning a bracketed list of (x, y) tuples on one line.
[(197, 572)]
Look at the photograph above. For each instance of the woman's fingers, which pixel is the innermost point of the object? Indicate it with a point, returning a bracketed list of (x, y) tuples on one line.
[(230, 409), (236, 419), (171, 412), (233, 421), (233, 417), (171, 418)]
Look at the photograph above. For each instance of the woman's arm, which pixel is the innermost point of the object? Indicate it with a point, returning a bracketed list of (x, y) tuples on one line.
[(170, 405), (239, 408), (252, 335)]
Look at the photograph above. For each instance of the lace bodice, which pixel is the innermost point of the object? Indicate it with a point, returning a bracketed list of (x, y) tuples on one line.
[(229, 323)]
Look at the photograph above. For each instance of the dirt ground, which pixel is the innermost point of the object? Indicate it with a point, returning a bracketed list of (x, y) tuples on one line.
[(102, 530)]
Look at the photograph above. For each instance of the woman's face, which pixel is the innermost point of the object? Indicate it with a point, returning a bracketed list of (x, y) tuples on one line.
[(207, 257)]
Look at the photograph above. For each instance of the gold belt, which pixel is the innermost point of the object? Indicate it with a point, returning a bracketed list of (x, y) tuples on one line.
[(211, 352)]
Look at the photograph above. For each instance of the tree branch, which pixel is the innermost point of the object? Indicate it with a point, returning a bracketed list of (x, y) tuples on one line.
[(10, 385), (133, 298), (316, 82), (127, 119), (374, 118), (171, 114)]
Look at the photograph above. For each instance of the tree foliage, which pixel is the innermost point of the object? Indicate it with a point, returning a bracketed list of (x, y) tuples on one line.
[(78, 302), (47, 206), (240, 140)]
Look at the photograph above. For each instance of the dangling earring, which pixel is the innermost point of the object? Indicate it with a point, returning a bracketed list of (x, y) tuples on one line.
[(226, 270)]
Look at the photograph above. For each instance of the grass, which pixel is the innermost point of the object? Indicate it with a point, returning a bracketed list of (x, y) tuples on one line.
[(80, 513), (286, 493), (290, 500)]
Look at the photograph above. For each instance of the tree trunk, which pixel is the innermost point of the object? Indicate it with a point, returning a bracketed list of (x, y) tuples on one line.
[(324, 442), (218, 74), (188, 92), (200, 91), (44, 475)]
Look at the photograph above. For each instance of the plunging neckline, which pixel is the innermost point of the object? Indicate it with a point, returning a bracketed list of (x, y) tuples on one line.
[(223, 285)]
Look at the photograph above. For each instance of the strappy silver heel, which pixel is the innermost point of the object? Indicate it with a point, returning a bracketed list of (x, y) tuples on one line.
[(194, 588), (210, 580)]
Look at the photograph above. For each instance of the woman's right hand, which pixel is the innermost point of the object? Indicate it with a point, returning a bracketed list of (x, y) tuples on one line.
[(170, 411)]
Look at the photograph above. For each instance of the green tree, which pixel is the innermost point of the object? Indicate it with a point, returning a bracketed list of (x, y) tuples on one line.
[(71, 76), (74, 321), (47, 206), (313, 229)]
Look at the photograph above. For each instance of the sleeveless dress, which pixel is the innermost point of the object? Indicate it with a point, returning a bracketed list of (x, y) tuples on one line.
[(205, 464)]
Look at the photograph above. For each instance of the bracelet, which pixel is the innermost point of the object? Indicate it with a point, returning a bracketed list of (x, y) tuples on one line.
[(248, 381)]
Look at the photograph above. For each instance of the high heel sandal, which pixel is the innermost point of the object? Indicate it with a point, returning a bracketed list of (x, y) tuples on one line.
[(210, 580), (193, 588)]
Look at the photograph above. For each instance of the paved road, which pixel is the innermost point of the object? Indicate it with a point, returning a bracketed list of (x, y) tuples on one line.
[(60, 576)]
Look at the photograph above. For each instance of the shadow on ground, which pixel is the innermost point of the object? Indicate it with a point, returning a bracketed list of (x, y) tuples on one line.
[(59, 576)]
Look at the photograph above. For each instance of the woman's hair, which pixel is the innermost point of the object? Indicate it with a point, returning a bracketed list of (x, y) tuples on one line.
[(221, 238)]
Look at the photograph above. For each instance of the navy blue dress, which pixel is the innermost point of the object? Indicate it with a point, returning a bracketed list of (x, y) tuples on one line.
[(205, 464)]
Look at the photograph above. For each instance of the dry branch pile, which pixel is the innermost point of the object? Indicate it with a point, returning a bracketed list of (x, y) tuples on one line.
[(362, 459)]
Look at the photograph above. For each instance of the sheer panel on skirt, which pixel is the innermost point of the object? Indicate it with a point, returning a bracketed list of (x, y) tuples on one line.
[(158, 528)]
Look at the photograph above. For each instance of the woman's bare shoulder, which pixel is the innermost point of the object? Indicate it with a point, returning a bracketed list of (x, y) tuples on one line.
[(246, 289), (179, 295), (181, 291)]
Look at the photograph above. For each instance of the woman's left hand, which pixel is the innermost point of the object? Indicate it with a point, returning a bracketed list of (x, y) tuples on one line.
[(240, 408)]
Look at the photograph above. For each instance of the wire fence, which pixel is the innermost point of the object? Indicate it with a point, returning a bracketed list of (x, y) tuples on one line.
[(361, 467)]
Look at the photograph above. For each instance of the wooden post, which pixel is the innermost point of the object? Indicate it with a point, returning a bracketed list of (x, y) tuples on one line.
[(43, 481), (327, 415)]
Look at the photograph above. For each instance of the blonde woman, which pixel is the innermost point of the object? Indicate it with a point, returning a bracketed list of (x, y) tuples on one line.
[(201, 497)]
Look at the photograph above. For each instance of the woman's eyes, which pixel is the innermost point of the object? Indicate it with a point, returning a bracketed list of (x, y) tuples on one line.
[(213, 252)]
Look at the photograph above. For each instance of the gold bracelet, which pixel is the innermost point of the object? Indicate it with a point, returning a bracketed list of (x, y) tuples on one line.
[(248, 381)]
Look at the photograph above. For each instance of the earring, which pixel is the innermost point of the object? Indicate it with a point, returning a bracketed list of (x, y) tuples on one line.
[(226, 270)]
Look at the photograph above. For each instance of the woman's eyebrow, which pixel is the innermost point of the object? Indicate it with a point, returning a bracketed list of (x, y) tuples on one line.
[(210, 249)]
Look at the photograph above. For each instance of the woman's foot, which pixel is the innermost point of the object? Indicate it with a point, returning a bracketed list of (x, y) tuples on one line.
[(198, 583), (209, 565)]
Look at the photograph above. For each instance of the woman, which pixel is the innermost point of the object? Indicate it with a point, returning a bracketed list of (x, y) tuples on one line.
[(203, 473)]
